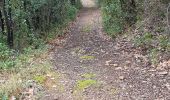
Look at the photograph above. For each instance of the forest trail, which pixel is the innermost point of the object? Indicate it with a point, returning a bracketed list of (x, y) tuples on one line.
[(96, 67)]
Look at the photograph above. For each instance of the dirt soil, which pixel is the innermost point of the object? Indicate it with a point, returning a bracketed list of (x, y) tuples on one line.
[(96, 67)]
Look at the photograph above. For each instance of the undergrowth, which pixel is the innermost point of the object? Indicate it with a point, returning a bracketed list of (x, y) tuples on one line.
[(21, 67), (32, 66), (153, 46)]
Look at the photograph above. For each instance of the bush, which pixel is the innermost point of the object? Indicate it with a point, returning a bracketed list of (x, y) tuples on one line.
[(71, 12), (145, 40), (118, 14), (33, 19), (6, 58), (112, 16)]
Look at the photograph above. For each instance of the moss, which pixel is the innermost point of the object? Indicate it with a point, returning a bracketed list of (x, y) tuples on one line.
[(88, 75), (86, 57), (82, 84), (40, 79)]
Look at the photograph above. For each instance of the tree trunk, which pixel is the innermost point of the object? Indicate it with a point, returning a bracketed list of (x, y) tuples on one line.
[(2, 22), (11, 38), (8, 21)]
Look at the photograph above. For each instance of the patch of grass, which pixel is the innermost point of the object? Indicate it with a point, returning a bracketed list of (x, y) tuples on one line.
[(40, 79), (33, 65), (82, 84), (11, 86), (88, 75), (155, 45), (153, 55), (145, 40), (86, 57), (164, 42)]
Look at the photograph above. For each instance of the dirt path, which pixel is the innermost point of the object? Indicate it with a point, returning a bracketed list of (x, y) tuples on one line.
[(94, 67)]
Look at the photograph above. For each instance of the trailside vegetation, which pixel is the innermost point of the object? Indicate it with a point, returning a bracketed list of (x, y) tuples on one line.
[(117, 15), (29, 24), (23, 22), (147, 22)]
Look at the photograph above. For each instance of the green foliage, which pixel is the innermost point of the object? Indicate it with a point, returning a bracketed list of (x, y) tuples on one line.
[(31, 65), (112, 17), (86, 57), (71, 12), (154, 45), (33, 19), (4, 97), (4, 52), (81, 85), (147, 40), (118, 14), (164, 42), (39, 79), (78, 4), (153, 55), (88, 75), (144, 40), (6, 58)]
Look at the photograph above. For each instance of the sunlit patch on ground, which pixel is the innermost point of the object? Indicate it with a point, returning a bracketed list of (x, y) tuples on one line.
[(89, 3)]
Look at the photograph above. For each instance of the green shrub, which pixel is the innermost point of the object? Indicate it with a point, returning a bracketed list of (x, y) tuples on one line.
[(112, 17), (164, 42), (153, 56), (6, 58), (118, 14), (33, 19), (71, 12), (78, 4), (145, 40)]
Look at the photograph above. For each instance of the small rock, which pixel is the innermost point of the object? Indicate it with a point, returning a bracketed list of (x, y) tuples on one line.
[(121, 77), (130, 86), (152, 70), (2, 81), (125, 67), (52, 78), (118, 68), (115, 65), (102, 50), (154, 87), (54, 86), (168, 86), (49, 75), (108, 63), (12, 98), (163, 73), (128, 62)]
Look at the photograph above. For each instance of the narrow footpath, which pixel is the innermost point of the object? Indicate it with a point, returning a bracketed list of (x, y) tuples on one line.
[(96, 67)]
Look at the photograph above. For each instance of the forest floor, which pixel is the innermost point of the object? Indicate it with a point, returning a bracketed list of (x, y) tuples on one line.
[(93, 66)]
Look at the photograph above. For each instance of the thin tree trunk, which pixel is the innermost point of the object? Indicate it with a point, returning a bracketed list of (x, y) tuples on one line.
[(2, 22), (8, 21), (11, 37)]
